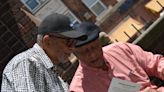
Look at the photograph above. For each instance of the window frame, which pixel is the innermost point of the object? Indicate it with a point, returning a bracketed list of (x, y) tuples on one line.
[(40, 5), (93, 4)]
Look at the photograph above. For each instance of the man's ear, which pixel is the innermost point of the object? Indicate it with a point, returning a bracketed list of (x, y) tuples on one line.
[(46, 40)]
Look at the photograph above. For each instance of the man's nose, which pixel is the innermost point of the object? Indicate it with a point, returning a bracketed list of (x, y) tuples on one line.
[(92, 55)]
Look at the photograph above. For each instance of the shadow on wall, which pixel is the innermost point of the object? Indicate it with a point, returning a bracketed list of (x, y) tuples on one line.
[(151, 39)]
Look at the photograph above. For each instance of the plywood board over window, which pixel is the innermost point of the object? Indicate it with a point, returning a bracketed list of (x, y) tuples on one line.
[(125, 31), (155, 6)]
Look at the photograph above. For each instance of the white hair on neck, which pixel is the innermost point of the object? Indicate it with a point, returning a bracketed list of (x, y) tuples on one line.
[(39, 39)]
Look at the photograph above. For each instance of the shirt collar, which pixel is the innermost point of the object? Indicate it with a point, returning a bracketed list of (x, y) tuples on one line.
[(43, 56)]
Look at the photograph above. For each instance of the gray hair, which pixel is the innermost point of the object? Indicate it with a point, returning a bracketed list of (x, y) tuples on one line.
[(39, 39)]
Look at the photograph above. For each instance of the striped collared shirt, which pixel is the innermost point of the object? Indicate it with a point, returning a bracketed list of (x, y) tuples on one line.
[(31, 71)]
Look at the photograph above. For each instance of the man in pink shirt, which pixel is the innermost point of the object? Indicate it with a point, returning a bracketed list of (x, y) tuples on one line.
[(125, 61)]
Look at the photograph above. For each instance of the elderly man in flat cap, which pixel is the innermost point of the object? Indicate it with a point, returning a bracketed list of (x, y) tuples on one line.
[(33, 69)]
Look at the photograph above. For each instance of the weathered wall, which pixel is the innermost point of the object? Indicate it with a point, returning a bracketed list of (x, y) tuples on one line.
[(153, 38), (79, 9), (109, 2)]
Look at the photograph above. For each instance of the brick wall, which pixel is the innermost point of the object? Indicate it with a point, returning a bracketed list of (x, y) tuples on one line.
[(17, 32), (109, 2), (137, 11), (80, 10), (26, 27)]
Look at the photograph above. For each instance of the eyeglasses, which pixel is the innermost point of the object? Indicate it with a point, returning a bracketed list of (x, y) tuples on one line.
[(68, 41), (58, 36)]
